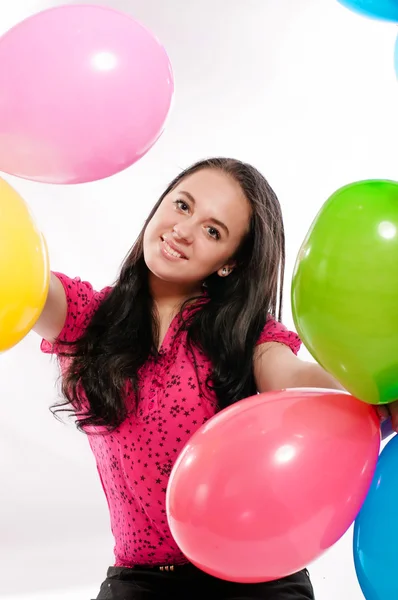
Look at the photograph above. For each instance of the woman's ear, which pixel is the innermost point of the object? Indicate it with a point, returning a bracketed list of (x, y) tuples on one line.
[(226, 270)]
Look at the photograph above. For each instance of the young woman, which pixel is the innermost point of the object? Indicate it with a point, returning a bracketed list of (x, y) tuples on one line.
[(191, 325)]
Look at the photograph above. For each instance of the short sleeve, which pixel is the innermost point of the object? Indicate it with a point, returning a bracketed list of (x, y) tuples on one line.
[(82, 302), (274, 331)]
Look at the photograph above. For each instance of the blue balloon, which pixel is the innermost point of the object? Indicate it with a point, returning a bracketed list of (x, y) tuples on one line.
[(376, 530), (386, 10)]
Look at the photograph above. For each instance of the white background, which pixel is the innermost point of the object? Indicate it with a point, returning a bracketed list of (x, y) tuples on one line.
[(303, 89)]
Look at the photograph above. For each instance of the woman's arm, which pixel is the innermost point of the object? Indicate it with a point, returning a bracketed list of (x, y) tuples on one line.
[(52, 318), (276, 367)]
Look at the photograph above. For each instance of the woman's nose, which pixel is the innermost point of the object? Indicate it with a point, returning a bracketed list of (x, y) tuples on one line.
[(183, 232)]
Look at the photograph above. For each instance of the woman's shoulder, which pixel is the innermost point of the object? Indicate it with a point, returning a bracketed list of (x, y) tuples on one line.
[(83, 300), (275, 331)]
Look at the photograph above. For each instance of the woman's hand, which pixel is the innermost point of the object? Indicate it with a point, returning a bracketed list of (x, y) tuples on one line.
[(385, 411)]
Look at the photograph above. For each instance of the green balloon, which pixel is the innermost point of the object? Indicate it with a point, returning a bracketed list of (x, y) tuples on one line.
[(345, 289)]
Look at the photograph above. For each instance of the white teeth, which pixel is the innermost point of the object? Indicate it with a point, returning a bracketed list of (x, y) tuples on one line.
[(171, 251)]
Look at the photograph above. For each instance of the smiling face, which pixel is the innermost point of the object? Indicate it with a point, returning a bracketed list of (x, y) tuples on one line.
[(197, 228)]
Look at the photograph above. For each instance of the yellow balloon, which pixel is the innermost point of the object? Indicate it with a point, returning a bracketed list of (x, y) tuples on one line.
[(24, 268)]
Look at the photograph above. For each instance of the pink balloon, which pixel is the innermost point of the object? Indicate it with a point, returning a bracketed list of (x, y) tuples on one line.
[(267, 485), (85, 92)]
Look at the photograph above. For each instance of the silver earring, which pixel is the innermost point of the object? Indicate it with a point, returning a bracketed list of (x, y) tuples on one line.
[(225, 271)]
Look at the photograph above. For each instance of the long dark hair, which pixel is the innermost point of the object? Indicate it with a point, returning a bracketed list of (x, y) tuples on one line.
[(123, 331)]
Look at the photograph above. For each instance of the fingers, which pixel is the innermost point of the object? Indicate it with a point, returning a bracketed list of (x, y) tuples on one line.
[(393, 408), (383, 412), (386, 411)]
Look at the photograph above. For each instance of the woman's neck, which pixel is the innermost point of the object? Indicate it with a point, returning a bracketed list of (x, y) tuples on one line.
[(168, 297)]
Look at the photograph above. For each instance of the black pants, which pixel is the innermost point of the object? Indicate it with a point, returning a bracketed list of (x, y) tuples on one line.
[(187, 582)]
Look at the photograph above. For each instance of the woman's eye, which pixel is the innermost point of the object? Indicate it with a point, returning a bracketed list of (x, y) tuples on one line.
[(214, 233), (181, 205)]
